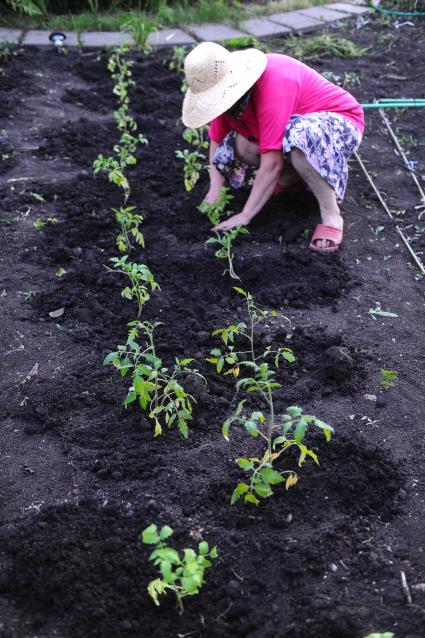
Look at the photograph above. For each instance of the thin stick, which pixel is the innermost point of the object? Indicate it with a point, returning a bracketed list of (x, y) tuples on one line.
[(389, 213), (405, 588), (402, 153)]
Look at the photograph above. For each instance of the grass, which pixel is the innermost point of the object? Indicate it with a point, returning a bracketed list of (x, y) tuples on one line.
[(181, 12), (320, 45)]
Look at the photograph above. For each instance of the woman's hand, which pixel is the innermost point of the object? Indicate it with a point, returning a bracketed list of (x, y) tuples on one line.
[(212, 196), (241, 219)]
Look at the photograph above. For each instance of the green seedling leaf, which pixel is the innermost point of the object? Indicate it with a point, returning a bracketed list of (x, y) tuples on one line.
[(165, 532), (245, 464), (240, 489), (150, 535), (250, 498), (271, 476)]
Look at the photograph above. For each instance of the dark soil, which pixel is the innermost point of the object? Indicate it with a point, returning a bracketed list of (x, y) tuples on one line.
[(81, 477)]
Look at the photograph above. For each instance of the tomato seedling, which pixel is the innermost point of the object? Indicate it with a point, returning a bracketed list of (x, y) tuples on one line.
[(155, 387), (225, 241), (142, 281), (182, 573)]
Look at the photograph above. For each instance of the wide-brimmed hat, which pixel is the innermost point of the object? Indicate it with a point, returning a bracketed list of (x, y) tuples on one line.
[(217, 79)]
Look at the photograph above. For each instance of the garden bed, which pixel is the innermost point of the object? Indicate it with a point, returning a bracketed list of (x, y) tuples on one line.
[(81, 477)]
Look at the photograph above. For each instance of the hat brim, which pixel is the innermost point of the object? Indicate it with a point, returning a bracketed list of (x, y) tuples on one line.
[(200, 108)]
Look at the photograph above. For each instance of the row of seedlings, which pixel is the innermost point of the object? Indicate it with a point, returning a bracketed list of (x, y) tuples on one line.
[(156, 388)]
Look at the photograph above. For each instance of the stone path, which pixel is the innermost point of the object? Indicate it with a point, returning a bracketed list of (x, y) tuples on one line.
[(277, 24)]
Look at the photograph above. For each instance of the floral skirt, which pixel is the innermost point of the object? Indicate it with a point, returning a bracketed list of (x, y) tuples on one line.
[(326, 139)]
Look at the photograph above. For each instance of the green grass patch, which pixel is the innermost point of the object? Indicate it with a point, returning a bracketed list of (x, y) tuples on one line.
[(324, 44)]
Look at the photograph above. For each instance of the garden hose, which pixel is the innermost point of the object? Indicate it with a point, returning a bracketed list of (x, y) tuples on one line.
[(395, 103), (393, 12)]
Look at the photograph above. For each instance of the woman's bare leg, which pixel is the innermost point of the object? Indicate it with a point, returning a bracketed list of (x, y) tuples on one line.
[(325, 194)]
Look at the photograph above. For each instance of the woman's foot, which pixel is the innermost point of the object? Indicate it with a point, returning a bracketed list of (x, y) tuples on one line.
[(328, 235)]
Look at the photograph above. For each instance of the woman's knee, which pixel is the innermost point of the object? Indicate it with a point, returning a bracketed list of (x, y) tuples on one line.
[(246, 151)]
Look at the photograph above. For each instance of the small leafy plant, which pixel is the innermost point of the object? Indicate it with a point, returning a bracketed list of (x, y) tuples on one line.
[(388, 378), (142, 281), (41, 223), (155, 387), (130, 228), (225, 241), (192, 166), (183, 573), (216, 211), (280, 432)]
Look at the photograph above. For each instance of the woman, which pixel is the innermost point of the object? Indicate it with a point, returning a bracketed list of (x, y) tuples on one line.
[(274, 122)]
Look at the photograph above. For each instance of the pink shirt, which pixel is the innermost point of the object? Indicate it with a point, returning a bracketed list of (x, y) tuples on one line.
[(287, 87)]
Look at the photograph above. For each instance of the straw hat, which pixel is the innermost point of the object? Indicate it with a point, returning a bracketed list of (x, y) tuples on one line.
[(217, 79)]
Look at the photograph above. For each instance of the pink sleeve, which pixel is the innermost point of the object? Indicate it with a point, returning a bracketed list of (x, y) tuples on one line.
[(276, 102), (218, 129)]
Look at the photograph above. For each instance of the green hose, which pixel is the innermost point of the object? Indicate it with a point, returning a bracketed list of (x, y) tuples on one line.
[(391, 12)]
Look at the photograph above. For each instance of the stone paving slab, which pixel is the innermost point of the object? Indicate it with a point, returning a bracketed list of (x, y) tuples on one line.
[(348, 8), (10, 35), (169, 37), (214, 32), (263, 28), (106, 39), (41, 38), (324, 14), (296, 21)]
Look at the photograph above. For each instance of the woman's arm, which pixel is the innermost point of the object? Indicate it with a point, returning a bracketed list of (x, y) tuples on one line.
[(216, 178), (264, 184)]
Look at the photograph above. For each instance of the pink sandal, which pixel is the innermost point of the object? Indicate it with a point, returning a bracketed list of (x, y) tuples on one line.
[(329, 233)]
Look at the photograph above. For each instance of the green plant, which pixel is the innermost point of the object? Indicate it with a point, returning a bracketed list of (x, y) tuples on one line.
[(155, 387), (177, 61), (324, 44), (41, 223), (142, 281), (225, 241), (348, 79), (125, 150), (388, 378), (192, 166), (129, 223), (181, 574), (215, 211), (140, 26), (386, 634), (197, 137), (279, 432)]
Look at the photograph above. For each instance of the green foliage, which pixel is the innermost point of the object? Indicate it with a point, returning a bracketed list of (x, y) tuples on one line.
[(388, 378), (130, 228), (288, 430), (8, 50), (192, 166), (215, 211), (246, 42), (239, 355), (325, 44), (140, 26), (156, 388), (347, 80), (124, 155), (225, 241), (142, 281), (41, 223), (386, 634), (177, 61), (182, 573)]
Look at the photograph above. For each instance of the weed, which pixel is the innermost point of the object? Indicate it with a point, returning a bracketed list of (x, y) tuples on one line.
[(225, 241), (244, 42), (41, 223), (142, 281), (347, 80), (376, 229), (184, 575), (279, 432), (140, 26), (129, 223), (154, 386), (320, 45), (386, 634), (388, 378), (28, 295), (60, 272)]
